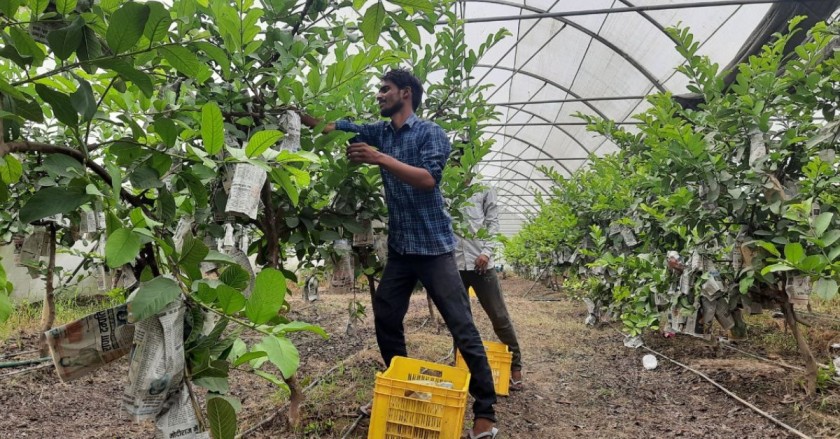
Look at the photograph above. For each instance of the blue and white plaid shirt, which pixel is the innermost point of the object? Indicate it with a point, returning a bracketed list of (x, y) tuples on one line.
[(418, 223)]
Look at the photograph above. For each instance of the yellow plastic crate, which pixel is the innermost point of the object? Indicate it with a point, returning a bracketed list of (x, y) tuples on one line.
[(499, 357), (406, 409)]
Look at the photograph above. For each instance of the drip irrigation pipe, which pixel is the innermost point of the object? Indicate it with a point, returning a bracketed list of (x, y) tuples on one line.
[(23, 362), (766, 415), (759, 357), (18, 354), (24, 371)]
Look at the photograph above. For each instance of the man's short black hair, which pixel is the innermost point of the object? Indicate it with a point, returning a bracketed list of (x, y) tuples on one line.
[(402, 78)]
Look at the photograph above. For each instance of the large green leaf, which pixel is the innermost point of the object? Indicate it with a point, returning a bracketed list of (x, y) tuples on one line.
[(122, 247), (182, 59), (61, 104), (11, 169), (167, 131), (794, 252), (216, 54), (248, 356), (825, 289), (236, 277), (372, 22), (230, 300), (62, 165), (65, 7), (222, 418), (66, 40), (822, 222), (280, 176), (126, 26), (261, 141), (302, 326), (415, 5), (29, 110), (192, 253), (90, 48), (212, 128), (267, 297), (129, 73), (151, 298), (83, 100), (157, 26), (51, 201), (408, 27), (281, 353)]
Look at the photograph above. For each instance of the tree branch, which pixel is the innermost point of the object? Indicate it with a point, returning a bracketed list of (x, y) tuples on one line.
[(26, 146)]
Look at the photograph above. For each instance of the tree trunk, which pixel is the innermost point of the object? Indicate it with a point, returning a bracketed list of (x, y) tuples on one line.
[(804, 349), (296, 398), (48, 313), (371, 288)]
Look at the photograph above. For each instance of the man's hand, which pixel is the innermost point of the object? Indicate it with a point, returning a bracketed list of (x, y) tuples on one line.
[(481, 263), (363, 153)]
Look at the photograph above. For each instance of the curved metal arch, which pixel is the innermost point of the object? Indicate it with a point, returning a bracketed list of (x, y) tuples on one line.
[(531, 145), (652, 21), (588, 32), (520, 197), (544, 119), (519, 173), (510, 193), (547, 81)]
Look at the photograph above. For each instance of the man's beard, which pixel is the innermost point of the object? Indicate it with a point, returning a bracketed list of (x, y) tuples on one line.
[(388, 112)]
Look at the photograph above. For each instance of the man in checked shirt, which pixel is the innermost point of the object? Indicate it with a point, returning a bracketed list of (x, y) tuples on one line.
[(411, 154)]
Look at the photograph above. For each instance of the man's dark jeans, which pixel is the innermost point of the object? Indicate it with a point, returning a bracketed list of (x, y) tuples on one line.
[(439, 275)]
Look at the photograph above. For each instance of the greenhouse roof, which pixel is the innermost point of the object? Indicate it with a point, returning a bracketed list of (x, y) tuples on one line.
[(598, 57)]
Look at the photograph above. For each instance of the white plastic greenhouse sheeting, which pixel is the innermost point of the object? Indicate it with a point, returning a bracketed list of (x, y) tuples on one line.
[(586, 56)]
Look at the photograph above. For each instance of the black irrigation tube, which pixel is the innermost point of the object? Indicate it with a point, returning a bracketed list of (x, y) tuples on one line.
[(23, 362), (731, 394), (24, 371)]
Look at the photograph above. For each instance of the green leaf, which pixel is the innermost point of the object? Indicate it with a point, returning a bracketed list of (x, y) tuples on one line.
[(216, 54), (61, 104), (29, 110), (83, 100), (222, 418), (214, 384), (302, 326), (6, 307), (126, 26), (230, 300), (372, 22), (745, 283), (776, 267), (65, 7), (272, 379), (267, 297), (236, 277), (151, 298), (157, 25), (833, 253), (261, 141), (214, 256), (184, 61), (9, 7), (825, 289), (248, 357), (280, 176), (415, 5), (38, 6), (144, 177), (167, 131), (66, 40), (234, 402), (830, 237), (769, 247), (90, 48), (408, 27), (129, 73), (11, 169), (822, 222), (51, 201), (813, 263), (212, 128), (193, 252), (281, 353), (121, 248), (794, 253)]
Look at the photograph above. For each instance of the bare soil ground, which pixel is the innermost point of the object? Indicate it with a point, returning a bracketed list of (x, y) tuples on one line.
[(580, 381)]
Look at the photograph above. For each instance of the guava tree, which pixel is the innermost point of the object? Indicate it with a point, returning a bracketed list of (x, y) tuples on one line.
[(173, 127)]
